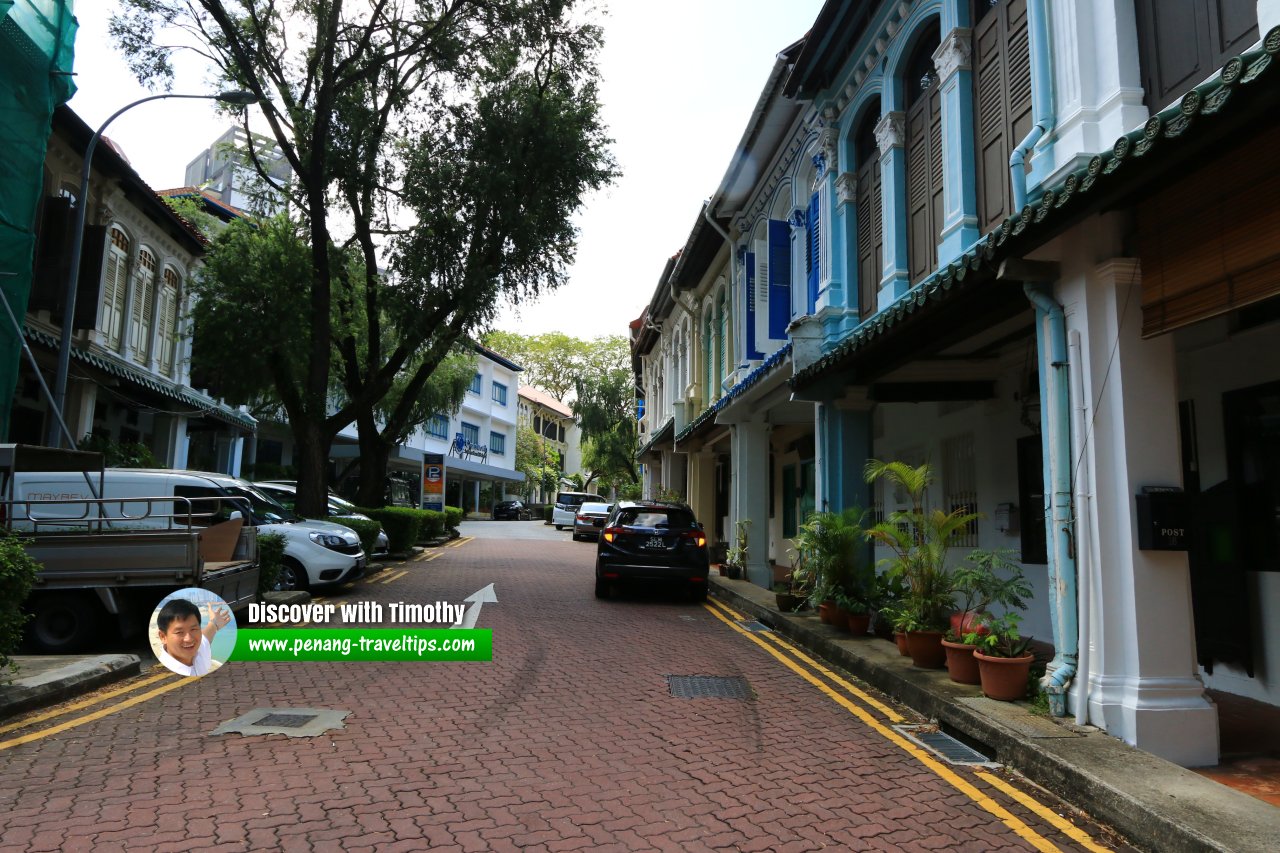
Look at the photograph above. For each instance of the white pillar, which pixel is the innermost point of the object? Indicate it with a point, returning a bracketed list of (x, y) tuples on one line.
[(181, 442), (750, 450), (1144, 688), (82, 398)]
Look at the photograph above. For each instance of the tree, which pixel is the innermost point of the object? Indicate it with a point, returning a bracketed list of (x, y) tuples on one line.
[(540, 464), (555, 362), (605, 411), (439, 150)]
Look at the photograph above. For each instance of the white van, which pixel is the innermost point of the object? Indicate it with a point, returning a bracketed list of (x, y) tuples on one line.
[(315, 552), (566, 509)]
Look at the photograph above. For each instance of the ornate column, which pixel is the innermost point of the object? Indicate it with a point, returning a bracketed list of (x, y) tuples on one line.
[(954, 62), (891, 134)]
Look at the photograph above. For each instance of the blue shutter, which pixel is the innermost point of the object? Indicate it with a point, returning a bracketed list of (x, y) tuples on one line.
[(812, 261), (779, 278), (750, 278)]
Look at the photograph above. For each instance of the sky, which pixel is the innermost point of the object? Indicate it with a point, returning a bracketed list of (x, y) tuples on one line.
[(679, 81)]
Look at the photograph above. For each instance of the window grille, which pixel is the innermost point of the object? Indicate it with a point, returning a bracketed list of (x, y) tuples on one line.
[(960, 478)]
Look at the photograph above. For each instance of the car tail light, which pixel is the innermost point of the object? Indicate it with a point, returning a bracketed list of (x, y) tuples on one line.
[(610, 533), (580, 517), (699, 539)]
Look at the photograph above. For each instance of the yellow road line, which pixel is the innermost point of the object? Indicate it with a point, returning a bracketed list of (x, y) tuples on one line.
[(396, 576), (889, 714), (317, 600), (458, 544), (67, 709), (1003, 815), (1068, 828), (432, 557), (426, 555), (96, 715)]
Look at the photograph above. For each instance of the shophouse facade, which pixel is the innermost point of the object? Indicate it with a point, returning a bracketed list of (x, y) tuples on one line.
[(1029, 275), (130, 374)]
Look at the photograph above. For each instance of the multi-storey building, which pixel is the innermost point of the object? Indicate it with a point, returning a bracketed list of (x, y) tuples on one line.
[(1033, 244), (225, 169), (556, 425), (129, 378)]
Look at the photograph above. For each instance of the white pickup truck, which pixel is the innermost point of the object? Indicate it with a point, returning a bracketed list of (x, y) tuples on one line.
[(106, 562)]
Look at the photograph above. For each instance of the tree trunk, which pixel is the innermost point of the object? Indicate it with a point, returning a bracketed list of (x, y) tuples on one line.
[(374, 455), (311, 459)]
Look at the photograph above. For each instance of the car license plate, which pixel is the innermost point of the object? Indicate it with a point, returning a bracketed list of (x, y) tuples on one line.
[(599, 522), (361, 562), (655, 542)]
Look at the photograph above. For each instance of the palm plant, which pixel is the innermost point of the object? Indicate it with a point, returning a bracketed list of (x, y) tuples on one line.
[(919, 540), (831, 546)]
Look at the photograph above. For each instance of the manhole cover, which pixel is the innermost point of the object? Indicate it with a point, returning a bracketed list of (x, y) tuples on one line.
[(294, 722), (288, 721), (945, 746), (709, 687), (754, 626)]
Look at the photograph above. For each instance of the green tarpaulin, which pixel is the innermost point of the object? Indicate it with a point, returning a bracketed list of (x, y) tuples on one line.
[(36, 51)]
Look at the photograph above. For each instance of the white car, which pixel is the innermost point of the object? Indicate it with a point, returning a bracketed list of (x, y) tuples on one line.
[(287, 495), (566, 508)]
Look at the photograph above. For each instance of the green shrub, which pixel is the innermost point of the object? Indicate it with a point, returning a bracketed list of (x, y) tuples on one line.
[(401, 523), (452, 517), (547, 513), (270, 555), (367, 530), (17, 576), (432, 524)]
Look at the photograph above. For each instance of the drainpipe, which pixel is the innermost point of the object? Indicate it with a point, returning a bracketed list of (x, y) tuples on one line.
[(1056, 437), (1042, 98), (733, 267), (1084, 528)]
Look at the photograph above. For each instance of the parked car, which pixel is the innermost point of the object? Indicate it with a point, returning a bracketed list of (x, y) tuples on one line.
[(509, 510), (566, 507), (315, 552), (589, 521), (338, 509), (652, 541)]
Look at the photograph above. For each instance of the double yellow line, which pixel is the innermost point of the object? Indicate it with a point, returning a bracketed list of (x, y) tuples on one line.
[(788, 655), (170, 681)]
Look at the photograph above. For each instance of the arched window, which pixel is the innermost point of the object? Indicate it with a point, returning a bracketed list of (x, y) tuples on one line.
[(923, 155), (114, 286), (722, 351), (144, 291), (1002, 101), (866, 156), (167, 332)]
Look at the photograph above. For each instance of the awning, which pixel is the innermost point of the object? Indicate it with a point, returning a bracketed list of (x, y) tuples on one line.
[(207, 405), (664, 433)]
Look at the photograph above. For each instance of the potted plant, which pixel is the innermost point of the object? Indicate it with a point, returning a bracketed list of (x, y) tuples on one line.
[(832, 546), (736, 558), (986, 577), (1004, 657), (793, 590), (889, 592), (918, 540)]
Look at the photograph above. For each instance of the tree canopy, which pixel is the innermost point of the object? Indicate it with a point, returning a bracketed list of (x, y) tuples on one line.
[(439, 150), (554, 362)]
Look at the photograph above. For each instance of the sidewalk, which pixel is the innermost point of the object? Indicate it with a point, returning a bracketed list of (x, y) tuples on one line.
[(44, 680), (1156, 804)]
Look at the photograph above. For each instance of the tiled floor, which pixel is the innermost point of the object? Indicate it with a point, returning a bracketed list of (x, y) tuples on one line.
[(1250, 745)]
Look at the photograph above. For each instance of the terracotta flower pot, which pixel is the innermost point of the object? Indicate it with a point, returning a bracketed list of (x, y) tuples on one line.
[(859, 623), (925, 648), (827, 612), (963, 622), (901, 639), (1004, 678), (962, 666), (787, 602)]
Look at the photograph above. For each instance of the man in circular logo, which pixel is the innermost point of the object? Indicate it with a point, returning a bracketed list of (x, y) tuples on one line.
[(185, 647)]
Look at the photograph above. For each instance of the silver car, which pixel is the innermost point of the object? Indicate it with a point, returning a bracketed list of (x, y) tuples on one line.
[(589, 520)]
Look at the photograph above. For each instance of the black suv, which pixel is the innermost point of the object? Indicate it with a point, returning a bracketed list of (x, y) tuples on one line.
[(509, 510), (652, 541)]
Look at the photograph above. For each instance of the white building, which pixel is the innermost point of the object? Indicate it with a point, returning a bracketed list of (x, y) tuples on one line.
[(221, 168), (555, 423)]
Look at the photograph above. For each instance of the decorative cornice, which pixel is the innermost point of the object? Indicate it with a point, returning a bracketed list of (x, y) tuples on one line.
[(955, 53), (891, 131)]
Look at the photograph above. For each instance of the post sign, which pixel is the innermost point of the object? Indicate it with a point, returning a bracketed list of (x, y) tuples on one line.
[(433, 481)]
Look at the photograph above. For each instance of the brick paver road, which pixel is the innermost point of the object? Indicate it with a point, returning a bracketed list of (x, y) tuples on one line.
[(568, 740)]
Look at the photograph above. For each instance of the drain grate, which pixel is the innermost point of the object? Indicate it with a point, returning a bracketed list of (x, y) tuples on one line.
[(293, 722), (945, 746), (286, 721), (754, 626), (709, 687)]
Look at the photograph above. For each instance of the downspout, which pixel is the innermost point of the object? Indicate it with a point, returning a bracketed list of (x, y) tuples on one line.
[(1056, 438), (1084, 528), (733, 266), (1042, 98)]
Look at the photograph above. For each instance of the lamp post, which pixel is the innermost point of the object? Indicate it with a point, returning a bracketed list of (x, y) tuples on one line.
[(236, 97)]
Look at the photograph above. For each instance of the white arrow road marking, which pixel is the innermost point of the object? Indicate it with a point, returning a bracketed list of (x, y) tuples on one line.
[(477, 599)]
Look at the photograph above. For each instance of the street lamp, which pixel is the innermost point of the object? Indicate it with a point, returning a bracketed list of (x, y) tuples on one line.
[(235, 97)]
